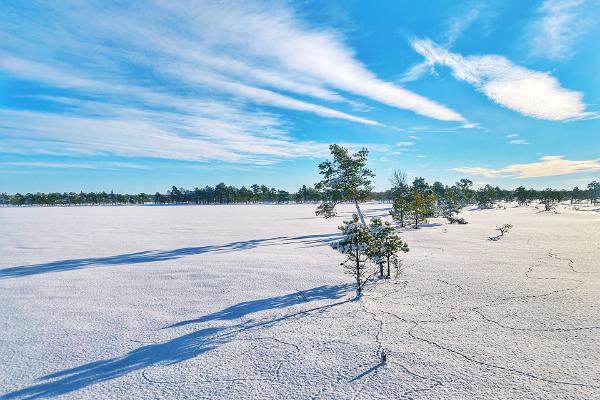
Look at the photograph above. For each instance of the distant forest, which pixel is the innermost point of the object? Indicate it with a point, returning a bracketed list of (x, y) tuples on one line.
[(225, 194)]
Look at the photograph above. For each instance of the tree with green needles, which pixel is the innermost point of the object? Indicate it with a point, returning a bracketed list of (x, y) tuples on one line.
[(450, 207), (385, 245), (401, 192), (345, 178), (355, 245)]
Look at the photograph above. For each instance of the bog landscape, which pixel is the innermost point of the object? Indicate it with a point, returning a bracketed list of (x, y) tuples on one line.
[(299, 200)]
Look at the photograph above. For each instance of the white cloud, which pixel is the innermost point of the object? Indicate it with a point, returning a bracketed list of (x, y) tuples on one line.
[(547, 166), (405, 144), (183, 80), (518, 141), (460, 24), (237, 47), (108, 165), (531, 93), (555, 33), (227, 135), (515, 139)]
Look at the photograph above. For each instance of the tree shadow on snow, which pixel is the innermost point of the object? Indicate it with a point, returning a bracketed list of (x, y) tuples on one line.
[(161, 255), (180, 348), (248, 307)]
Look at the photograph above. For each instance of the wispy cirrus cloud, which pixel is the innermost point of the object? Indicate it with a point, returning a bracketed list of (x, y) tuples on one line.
[(516, 139), (185, 80), (531, 93), (75, 165), (555, 33), (547, 166), (457, 26)]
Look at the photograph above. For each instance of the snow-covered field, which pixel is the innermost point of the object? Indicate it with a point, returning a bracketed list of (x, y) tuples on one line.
[(235, 302)]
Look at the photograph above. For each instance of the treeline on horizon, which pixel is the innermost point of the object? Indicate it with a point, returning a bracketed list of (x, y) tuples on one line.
[(225, 194)]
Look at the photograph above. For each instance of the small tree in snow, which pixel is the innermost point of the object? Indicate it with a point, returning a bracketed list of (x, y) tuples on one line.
[(522, 196), (594, 191), (346, 178), (385, 245), (450, 207), (400, 208), (401, 193), (422, 205), (355, 244), (548, 199), (502, 230), (485, 197)]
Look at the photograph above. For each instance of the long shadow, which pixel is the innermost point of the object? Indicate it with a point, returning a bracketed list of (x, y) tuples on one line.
[(367, 372), (158, 255), (176, 350), (248, 307)]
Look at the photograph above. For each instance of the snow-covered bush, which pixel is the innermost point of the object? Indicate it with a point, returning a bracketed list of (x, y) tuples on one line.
[(355, 245)]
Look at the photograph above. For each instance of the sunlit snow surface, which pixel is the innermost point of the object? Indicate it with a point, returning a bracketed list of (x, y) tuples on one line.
[(235, 302)]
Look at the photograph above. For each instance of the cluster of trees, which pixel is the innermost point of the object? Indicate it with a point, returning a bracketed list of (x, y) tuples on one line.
[(418, 201), (72, 198), (223, 194), (550, 196), (346, 178), (219, 194), (376, 243)]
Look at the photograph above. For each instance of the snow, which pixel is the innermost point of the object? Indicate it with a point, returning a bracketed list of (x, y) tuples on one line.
[(235, 302)]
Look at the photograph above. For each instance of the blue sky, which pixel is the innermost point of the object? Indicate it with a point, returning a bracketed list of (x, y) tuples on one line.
[(141, 96)]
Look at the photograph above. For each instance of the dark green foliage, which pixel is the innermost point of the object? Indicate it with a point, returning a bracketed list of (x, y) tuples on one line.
[(485, 197), (594, 191), (502, 230), (345, 178), (384, 246), (354, 244), (522, 196), (549, 198), (449, 204)]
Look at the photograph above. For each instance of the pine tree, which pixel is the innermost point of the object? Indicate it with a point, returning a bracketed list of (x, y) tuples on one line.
[(400, 208), (421, 201), (522, 195), (400, 192), (385, 245), (421, 206), (594, 190), (355, 244), (485, 197), (548, 199), (346, 178), (466, 194), (450, 207)]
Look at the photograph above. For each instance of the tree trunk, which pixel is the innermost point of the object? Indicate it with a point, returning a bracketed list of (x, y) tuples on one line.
[(402, 218), (360, 214), (388, 268), (416, 221), (357, 273), (381, 270)]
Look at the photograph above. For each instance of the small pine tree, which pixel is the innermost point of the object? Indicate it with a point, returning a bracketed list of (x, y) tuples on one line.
[(355, 244), (522, 196), (346, 178), (421, 206), (450, 207), (400, 208), (385, 245), (594, 191), (548, 199)]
